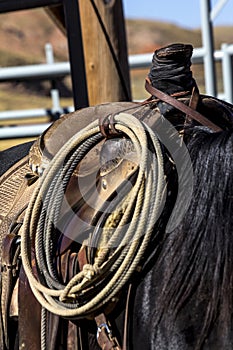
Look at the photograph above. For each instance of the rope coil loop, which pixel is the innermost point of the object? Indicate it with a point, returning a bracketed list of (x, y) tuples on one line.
[(128, 242)]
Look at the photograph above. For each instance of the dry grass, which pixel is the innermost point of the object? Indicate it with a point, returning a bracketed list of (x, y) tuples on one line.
[(11, 99), (19, 101)]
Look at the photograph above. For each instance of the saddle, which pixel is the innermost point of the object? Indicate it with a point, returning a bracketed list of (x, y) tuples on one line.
[(109, 163), (23, 178)]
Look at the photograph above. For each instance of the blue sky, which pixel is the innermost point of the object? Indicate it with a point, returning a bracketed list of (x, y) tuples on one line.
[(184, 13)]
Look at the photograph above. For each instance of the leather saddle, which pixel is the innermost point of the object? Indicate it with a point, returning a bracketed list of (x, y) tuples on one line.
[(22, 179), (100, 172), (18, 184)]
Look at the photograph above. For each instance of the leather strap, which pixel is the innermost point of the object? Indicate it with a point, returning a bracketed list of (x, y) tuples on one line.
[(193, 102), (194, 98), (181, 106), (105, 338), (8, 279), (29, 316), (126, 321)]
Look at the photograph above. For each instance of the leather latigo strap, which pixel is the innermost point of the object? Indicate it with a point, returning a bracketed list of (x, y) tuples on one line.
[(181, 106)]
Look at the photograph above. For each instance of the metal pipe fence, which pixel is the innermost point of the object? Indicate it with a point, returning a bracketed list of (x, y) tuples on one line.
[(52, 70)]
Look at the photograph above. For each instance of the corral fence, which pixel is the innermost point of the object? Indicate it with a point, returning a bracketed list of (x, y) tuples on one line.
[(52, 70)]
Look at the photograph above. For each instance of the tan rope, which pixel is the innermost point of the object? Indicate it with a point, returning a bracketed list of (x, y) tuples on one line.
[(144, 206)]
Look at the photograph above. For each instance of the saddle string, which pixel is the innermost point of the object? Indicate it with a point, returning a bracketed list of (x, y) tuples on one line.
[(56, 300)]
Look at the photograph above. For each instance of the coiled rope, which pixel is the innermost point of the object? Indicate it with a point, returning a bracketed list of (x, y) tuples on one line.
[(144, 206)]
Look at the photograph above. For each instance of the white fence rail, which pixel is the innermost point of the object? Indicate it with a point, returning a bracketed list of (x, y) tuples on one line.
[(53, 70)]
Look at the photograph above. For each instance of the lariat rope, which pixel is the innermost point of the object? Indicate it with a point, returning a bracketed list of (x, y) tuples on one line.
[(144, 205)]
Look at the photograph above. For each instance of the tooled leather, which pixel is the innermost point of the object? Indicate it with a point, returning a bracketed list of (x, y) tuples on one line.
[(12, 185), (14, 197)]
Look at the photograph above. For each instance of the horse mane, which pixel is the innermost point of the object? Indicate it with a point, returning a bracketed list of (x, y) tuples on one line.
[(12, 155), (198, 254)]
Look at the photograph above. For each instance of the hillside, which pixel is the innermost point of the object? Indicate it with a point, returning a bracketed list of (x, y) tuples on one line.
[(146, 36), (23, 35)]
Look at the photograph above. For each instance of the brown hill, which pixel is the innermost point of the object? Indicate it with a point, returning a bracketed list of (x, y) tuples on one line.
[(23, 35), (146, 36)]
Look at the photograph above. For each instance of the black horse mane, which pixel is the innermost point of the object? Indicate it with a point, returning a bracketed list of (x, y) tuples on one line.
[(12, 155), (198, 254)]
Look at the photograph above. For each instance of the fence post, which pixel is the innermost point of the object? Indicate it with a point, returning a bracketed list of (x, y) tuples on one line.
[(77, 61), (207, 38), (105, 51), (227, 73), (56, 107)]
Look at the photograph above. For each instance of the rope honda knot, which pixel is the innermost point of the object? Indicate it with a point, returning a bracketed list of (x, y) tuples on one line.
[(90, 271)]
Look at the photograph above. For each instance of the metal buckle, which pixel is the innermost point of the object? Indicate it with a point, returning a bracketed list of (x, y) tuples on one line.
[(104, 326)]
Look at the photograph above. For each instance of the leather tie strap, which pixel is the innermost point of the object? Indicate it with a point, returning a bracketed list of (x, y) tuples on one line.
[(181, 106)]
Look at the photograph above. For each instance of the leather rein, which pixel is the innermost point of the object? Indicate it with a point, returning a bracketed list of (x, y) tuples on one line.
[(189, 111)]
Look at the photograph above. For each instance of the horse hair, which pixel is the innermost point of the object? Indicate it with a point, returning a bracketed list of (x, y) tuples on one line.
[(12, 155), (199, 252)]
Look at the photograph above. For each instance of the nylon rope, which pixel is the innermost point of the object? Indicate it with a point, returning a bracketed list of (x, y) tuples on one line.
[(137, 223)]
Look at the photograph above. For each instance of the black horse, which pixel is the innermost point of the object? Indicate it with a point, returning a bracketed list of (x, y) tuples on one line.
[(180, 295)]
